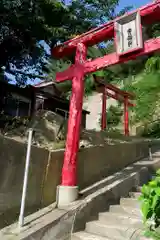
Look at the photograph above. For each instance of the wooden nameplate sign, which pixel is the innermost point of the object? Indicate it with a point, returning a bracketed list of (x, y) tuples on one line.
[(128, 34)]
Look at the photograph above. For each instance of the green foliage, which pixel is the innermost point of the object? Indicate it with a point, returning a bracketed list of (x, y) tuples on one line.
[(89, 85), (113, 116), (151, 130), (153, 30), (24, 23), (150, 206), (152, 64), (147, 90), (95, 11)]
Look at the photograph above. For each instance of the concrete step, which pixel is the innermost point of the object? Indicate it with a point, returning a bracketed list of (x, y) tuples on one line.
[(87, 236), (135, 195), (156, 155), (130, 202), (116, 231), (122, 222), (125, 210), (110, 218)]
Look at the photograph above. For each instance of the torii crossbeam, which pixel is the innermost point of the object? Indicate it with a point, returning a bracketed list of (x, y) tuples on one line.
[(76, 73)]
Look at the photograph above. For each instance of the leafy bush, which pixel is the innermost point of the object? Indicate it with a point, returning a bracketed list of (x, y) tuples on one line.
[(150, 199), (152, 130), (152, 64), (113, 116)]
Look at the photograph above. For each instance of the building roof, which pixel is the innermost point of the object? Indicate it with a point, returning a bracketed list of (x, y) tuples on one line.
[(44, 84), (51, 86)]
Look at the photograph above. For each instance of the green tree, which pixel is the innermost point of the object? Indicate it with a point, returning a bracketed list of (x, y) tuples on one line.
[(94, 12), (153, 64), (24, 24), (114, 115)]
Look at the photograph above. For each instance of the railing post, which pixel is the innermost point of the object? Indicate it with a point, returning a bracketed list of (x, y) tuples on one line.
[(126, 117), (150, 152), (104, 99), (25, 181)]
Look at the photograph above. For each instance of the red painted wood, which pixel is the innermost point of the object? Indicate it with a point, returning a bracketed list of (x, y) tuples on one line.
[(150, 46), (101, 81), (69, 170), (119, 91), (106, 61), (126, 118), (119, 98), (149, 14), (104, 105), (69, 73)]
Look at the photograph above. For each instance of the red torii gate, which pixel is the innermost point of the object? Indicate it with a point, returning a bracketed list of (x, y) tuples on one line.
[(68, 190), (119, 95)]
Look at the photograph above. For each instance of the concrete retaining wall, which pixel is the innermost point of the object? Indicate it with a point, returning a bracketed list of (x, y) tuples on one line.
[(94, 164), (12, 162), (100, 161)]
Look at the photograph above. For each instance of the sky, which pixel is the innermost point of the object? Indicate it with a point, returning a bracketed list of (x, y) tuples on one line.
[(124, 3), (134, 3)]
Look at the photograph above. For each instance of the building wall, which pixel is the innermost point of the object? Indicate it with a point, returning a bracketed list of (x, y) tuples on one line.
[(16, 101), (93, 104)]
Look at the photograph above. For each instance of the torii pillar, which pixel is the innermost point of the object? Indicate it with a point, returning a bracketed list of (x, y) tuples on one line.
[(68, 190)]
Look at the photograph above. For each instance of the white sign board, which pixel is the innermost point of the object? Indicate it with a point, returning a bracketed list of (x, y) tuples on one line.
[(128, 33)]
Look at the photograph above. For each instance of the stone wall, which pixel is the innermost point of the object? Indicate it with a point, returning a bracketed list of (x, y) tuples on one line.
[(45, 171)]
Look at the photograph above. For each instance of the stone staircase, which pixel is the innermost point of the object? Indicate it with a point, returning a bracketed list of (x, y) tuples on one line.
[(122, 222)]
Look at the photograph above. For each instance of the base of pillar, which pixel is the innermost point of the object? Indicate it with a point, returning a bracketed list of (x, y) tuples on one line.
[(66, 195)]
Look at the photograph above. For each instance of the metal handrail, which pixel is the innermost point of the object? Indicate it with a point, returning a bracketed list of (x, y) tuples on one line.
[(25, 180)]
